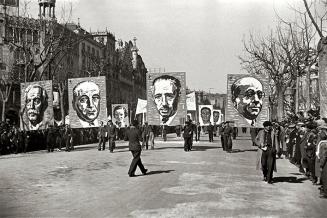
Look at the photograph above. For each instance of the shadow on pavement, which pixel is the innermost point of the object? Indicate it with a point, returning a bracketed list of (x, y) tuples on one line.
[(203, 148), (239, 150), (159, 172), (289, 179)]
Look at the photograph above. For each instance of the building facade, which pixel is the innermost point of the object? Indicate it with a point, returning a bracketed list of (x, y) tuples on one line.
[(77, 53)]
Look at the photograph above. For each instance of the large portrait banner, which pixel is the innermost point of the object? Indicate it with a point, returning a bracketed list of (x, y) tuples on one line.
[(205, 115), (217, 116), (120, 116), (166, 98), (36, 103), (87, 101), (247, 100)]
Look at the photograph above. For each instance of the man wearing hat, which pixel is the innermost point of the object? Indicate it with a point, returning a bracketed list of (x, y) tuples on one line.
[(188, 136), (228, 143), (265, 141), (145, 135), (112, 134)]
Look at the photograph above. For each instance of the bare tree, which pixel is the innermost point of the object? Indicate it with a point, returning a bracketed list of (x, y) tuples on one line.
[(318, 21), (282, 56)]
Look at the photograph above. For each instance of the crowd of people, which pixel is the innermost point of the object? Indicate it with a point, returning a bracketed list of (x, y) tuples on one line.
[(301, 140)]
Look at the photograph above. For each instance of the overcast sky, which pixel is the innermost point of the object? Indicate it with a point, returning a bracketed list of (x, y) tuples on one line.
[(200, 37)]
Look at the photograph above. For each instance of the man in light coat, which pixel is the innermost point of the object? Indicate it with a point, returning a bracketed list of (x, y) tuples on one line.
[(265, 142)]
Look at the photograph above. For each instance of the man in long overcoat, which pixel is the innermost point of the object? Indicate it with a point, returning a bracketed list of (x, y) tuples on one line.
[(134, 136)]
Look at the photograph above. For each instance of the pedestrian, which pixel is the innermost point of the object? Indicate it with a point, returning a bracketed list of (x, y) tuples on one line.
[(221, 133), (112, 134), (210, 132), (244, 130), (198, 131), (145, 135), (228, 143), (264, 141), (51, 138), (102, 137), (188, 135), (134, 136), (68, 136), (151, 136), (235, 132), (321, 136)]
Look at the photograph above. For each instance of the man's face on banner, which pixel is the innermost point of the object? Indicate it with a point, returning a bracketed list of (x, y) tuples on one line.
[(205, 115), (165, 97), (86, 100), (35, 104), (119, 114), (216, 116), (248, 97)]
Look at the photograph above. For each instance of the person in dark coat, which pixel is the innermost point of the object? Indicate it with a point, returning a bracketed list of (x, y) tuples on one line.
[(188, 135), (228, 143), (51, 138), (210, 132), (145, 135), (112, 134), (102, 137), (221, 133), (68, 136), (198, 132), (26, 136), (134, 136)]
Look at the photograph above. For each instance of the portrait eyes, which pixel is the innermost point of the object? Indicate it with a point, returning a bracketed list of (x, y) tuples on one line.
[(83, 99), (169, 96), (35, 100), (251, 93), (95, 97)]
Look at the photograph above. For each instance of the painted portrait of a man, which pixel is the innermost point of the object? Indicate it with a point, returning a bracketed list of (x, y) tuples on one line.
[(86, 103), (216, 116), (247, 98), (166, 91), (35, 103), (205, 114)]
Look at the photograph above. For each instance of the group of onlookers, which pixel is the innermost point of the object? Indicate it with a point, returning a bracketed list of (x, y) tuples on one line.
[(297, 140)]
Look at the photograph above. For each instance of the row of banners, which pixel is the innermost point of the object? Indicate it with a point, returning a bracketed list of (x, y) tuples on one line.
[(166, 104)]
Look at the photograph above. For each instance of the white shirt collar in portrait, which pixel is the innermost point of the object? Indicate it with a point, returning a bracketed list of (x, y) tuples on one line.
[(85, 124), (36, 127), (168, 122)]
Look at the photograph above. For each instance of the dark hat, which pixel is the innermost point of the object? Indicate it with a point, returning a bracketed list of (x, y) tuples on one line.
[(267, 123)]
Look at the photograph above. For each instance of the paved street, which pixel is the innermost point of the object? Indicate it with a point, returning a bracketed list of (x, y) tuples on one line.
[(206, 182)]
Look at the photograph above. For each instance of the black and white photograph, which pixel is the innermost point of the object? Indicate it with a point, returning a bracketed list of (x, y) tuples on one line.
[(163, 108)]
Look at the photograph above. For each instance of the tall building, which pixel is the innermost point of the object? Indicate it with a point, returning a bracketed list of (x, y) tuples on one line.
[(75, 53)]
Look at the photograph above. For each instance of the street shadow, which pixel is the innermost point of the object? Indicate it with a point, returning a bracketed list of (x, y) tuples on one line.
[(203, 148), (239, 150), (289, 179), (297, 174), (159, 172)]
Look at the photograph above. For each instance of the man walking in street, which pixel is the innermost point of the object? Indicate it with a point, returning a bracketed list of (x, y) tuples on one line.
[(210, 132), (265, 142), (221, 133), (112, 133), (134, 136), (68, 138), (188, 136), (102, 137), (228, 143), (145, 135)]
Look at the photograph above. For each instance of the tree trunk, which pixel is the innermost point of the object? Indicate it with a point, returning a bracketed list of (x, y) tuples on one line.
[(280, 104), (62, 109), (322, 54), (3, 110)]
